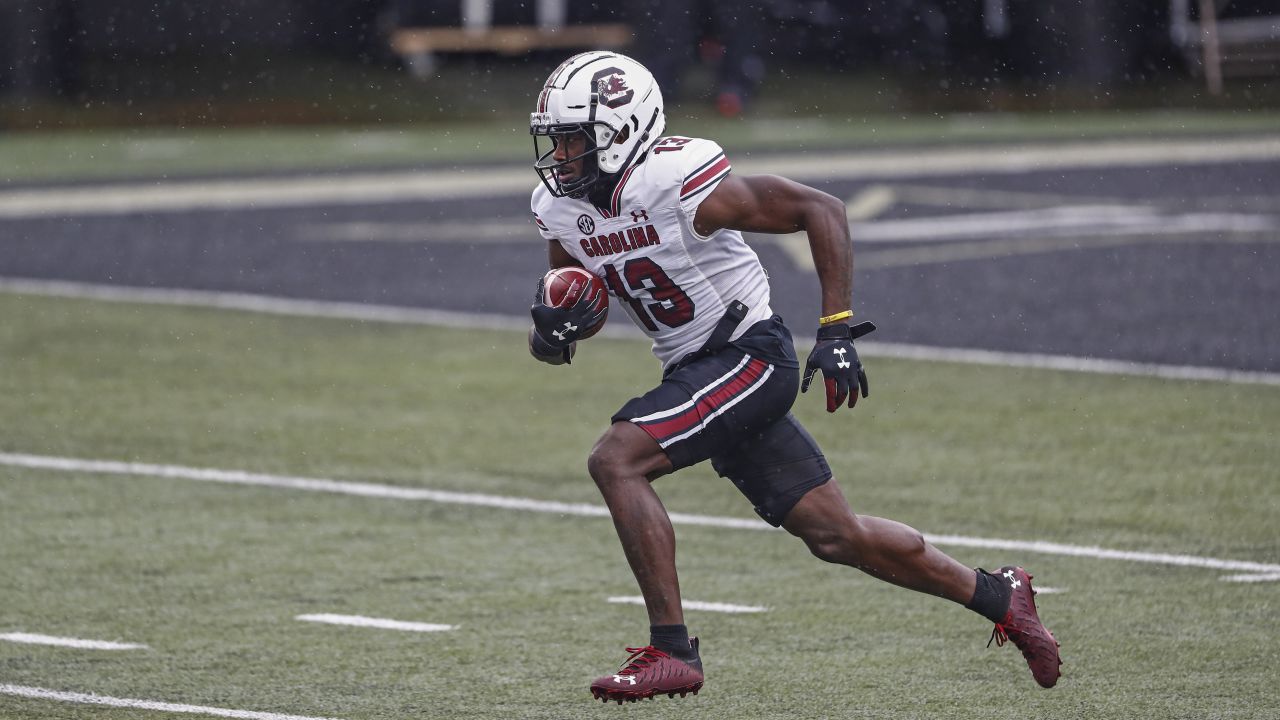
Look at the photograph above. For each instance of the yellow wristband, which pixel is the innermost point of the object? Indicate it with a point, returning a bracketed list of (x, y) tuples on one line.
[(835, 318)]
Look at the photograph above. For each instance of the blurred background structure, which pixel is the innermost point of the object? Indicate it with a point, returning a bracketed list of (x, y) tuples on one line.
[(88, 62)]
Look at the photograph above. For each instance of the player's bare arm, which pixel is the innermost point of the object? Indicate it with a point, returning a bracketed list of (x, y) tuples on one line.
[(557, 257), (772, 204)]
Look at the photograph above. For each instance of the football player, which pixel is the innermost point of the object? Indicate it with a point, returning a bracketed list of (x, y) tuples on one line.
[(660, 219)]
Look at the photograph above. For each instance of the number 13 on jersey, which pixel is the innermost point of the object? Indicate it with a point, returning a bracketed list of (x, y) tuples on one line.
[(671, 306)]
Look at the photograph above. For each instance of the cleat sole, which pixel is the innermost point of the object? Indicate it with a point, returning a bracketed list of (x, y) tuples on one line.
[(606, 696)]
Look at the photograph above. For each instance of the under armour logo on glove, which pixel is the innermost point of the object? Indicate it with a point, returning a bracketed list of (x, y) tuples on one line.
[(562, 334), (556, 328), (836, 357)]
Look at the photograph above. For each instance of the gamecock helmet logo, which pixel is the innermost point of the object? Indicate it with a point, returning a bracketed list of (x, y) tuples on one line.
[(611, 87)]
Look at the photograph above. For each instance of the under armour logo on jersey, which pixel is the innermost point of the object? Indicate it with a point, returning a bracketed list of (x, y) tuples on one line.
[(568, 328), (640, 215), (1014, 582), (842, 363), (628, 679)]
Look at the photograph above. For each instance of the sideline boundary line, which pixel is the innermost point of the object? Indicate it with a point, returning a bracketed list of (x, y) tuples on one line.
[(1255, 570), (265, 304), (374, 188), (36, 693)]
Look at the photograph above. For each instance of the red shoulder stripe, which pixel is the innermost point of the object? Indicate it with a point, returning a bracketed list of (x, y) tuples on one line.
[(705, 177)]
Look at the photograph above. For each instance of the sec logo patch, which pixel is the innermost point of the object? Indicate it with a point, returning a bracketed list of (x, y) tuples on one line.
[(586, 224)]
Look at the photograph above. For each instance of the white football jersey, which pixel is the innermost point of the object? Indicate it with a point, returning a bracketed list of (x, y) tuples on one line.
[(674, 283)]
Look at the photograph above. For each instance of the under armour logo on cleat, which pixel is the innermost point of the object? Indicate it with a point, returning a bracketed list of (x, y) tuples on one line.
[(1014, 582), (568, 328), (842, 363), (629, 679)]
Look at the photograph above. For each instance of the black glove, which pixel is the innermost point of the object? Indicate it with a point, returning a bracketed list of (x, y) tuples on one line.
[(555, 328), (841, 370)]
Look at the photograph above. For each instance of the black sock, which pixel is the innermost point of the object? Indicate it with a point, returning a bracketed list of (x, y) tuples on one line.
[(673, 640), (990, 597)]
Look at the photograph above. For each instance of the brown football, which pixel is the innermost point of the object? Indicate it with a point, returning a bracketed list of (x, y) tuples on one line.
[(563, 286)]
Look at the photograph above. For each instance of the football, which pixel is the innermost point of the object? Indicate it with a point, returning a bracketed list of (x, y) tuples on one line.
[(563, 286)]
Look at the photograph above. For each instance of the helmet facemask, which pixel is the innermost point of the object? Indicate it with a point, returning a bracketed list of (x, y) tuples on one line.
[(549, 168)]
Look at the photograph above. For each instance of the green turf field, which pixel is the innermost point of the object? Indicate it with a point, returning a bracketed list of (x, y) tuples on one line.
[(211, 576)]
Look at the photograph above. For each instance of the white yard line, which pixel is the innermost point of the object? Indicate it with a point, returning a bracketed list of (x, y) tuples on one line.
[(1266, 577), (995, 245), (960, 197), (36, 693), (999, 248), (36, 639), (1100, 553), (372, 490), (461, 182), (870, 202), (266, 304), (1066, 363), (1059, 221), (380, 623), (694, 605), (471, 321), (262, 193)]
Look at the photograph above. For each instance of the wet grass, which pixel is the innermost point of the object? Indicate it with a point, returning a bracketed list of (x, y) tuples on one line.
[(210, 577)]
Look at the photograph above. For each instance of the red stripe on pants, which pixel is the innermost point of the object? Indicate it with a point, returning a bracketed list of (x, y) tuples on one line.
[(707, 404)]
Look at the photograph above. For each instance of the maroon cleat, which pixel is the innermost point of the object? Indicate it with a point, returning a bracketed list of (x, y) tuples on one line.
[(648, 672), (1022, 625)]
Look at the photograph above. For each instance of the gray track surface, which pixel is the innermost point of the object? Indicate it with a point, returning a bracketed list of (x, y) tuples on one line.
[(1210, 297)]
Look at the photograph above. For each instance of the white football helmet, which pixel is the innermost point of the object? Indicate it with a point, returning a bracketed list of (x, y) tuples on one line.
[(612, 100)]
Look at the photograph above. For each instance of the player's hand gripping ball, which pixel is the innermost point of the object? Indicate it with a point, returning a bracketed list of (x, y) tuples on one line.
[(571, 304), (581, 293)]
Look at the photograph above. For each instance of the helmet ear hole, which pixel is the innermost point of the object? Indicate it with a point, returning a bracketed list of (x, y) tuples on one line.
[(622, 136)]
